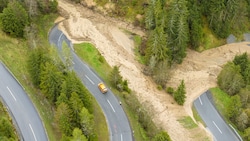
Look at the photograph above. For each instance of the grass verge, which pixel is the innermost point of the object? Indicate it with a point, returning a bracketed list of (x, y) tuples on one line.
[(92, 57), (221, 100), (197, 116), (187, 122), (101, 128)]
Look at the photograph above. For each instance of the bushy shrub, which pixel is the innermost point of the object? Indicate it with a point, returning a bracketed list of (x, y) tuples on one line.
[(170, 90), (117, 82), (230, 79), (159, 87), (162, 136)]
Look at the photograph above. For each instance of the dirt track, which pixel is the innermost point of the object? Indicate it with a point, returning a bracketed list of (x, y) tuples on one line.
[(198, 70)]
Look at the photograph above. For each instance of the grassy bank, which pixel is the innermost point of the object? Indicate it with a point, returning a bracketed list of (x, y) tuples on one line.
[(14, 54), (221, 101)]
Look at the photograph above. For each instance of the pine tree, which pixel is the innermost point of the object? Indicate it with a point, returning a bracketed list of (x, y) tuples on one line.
[(115, 77), (78, 136), (76, 106), (180, 94), (13, 19), (157, 45), (87, 122), (195, 23), (51, 79), (73, 84), (225, 16), (177, 30), (36, 58), (149, 15), (63, 117), (62, 98)]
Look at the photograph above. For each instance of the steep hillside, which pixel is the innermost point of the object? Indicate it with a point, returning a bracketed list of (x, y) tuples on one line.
[(198, 70)]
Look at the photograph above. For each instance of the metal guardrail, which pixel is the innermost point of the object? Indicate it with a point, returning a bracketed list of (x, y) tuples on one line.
[(236, 132)]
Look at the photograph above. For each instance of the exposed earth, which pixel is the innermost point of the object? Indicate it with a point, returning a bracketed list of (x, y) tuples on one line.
[(198, 70)]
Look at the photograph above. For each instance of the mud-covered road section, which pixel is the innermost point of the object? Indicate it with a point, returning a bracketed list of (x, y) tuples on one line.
[(198, 70)]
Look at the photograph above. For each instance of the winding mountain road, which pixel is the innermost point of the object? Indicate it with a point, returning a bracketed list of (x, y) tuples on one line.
[(21, 108), (118, 124), (214, 122)]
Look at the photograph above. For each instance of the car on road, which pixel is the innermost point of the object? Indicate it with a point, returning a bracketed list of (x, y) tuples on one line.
[(102, 88)]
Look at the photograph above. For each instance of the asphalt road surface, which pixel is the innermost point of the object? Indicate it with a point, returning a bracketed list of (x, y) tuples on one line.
[(118, 124), (23, 111), (214, 122)]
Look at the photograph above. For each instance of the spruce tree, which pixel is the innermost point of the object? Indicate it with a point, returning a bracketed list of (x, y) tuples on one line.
[(180, 94)]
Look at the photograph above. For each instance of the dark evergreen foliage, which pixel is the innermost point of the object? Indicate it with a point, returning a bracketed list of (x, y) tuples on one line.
[(47, 6), (3, 4), (51, 79), (36, 58), (177, 30), (117, 81), (74, 84), (225, 15), (195, 23), (180, 94), (14, 19), (63, 117)]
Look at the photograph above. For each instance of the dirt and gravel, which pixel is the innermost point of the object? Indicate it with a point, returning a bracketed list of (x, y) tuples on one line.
[(198, 70)]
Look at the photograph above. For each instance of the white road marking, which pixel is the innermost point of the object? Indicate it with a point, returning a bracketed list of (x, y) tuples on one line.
[(33, 132), (200, 100), (72, 62), (121, 138), (217, 127), (11, 93), (89, 79), (90, 70), (59, 39), (111, 105), (93, 73)]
